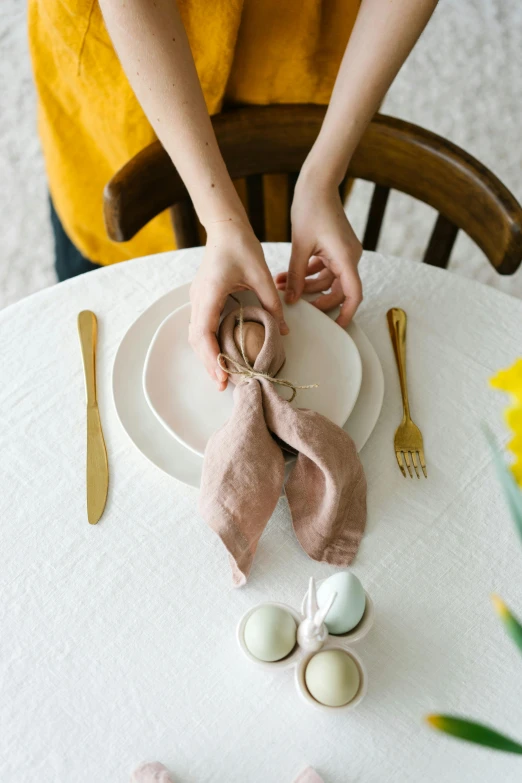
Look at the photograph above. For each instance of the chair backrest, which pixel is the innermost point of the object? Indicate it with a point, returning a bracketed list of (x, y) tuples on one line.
[(393, 154)]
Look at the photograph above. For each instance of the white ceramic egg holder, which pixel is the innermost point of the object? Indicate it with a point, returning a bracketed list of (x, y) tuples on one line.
[(312, 636)]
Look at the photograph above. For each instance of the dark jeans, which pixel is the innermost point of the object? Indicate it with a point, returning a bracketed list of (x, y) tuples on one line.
[(68, 261)]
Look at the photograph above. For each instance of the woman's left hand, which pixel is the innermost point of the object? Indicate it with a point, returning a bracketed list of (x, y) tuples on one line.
[(323, 244)]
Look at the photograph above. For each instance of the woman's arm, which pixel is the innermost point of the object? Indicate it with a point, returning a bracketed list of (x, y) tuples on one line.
[(153, 48), (322, 239)]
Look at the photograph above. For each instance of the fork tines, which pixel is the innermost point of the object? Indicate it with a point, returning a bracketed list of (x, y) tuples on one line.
[(409, 457)]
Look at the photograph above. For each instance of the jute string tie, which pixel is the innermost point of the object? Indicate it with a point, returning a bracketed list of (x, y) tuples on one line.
[(246, 369)]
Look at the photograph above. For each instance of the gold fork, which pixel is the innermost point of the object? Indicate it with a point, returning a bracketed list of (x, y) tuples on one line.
[(408, 438)]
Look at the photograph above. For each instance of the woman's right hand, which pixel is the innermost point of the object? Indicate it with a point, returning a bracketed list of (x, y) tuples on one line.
[(233, 261)]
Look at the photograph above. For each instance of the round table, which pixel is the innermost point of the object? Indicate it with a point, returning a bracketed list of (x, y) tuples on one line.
[(118, 640)]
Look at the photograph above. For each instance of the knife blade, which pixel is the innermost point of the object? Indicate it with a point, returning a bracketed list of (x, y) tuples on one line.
[(97, 463)]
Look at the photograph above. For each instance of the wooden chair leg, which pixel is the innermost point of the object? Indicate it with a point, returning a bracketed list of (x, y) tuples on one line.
[(441, 243)]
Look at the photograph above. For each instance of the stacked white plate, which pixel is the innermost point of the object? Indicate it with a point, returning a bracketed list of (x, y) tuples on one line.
[(169, 407)]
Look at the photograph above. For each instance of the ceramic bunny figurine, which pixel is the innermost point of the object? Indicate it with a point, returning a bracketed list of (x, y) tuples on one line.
[(312, 633)]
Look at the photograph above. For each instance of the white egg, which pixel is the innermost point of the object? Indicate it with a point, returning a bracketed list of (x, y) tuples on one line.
[(270, 633), (349, 605)]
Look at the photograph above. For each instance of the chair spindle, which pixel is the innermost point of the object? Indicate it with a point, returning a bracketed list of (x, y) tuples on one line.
[(185, 224), (441, 243), (375, 217), (256, 205)]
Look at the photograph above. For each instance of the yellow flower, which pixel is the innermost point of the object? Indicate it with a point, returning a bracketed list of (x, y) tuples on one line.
[(500, 607), (510, 381)]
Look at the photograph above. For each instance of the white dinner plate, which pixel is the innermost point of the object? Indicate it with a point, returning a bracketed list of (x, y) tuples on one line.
[(188, 404), (150, 436)]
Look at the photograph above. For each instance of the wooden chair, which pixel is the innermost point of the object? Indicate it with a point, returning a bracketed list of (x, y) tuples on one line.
[(393, 154)]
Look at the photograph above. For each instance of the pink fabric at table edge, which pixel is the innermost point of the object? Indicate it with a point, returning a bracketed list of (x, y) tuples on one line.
[(155, 772)]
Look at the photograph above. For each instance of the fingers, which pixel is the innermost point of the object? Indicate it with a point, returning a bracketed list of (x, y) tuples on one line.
[(315, 265), (322, 282), (204, 323), (352, 289), (269, 298), (331, 300), (347, 293), (297, 269)]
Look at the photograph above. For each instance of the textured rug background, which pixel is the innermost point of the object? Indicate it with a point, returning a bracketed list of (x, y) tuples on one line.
[(462, 81)]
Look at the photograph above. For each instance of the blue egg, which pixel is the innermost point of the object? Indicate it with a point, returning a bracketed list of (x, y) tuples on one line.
[(348, 608)]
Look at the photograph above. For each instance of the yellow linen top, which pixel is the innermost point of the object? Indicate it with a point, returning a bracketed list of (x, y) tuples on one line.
[(90, 123)]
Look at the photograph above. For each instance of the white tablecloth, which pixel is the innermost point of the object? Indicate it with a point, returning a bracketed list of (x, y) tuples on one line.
[(118, 641)]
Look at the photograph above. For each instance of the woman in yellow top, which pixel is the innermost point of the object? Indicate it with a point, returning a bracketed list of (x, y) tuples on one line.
[(111, 75)]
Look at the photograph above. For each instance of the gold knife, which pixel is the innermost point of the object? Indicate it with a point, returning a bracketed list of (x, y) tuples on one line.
[(97, 465)]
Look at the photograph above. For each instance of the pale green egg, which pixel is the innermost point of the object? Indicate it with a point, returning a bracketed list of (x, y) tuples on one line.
[(270, 633), (332, 678), (348, 608)]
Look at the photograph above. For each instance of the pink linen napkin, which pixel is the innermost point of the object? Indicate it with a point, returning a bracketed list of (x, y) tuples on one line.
[(154, 772), (244, 467), (308, 775), (151, 772)]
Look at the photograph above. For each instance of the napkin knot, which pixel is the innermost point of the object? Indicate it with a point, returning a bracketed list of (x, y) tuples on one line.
[(245, 369)]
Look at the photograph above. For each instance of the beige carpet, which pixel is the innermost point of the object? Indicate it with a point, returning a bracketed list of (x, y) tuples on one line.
[(462, 81)]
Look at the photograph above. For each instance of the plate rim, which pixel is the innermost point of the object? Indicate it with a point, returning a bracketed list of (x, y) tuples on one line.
[(156, 413), (182, 290)]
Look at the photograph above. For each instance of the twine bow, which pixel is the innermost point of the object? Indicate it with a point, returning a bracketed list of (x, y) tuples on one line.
[(246, 369)]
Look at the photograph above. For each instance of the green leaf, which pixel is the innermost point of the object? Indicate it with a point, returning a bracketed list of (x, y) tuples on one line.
[(511, 623), (473, 732), (507, 481)]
